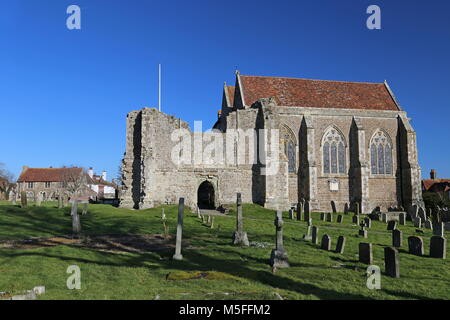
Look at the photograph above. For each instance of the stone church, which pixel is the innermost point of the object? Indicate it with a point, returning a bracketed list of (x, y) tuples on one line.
[(350, 142)]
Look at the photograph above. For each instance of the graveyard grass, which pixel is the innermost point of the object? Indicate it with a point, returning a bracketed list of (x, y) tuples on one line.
[(231, 272)]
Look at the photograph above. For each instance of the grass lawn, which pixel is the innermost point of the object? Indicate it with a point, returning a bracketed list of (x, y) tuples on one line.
[(234, 273)]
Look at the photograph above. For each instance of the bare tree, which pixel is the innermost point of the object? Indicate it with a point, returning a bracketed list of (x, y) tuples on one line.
[(6, 181)]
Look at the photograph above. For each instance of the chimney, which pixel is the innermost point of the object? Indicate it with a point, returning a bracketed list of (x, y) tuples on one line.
[(104, 175), (24, 168), (91, 172), (433, 174)]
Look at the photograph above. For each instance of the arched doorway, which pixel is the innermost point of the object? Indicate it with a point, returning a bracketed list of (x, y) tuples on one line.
[(205, 196)]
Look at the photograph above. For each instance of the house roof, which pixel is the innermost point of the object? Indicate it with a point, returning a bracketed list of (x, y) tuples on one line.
[(310, 93), (100, 181), (47, 174), (428, 183)]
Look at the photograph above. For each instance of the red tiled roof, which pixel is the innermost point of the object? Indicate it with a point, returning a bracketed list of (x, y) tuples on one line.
[(230, 92), (47, 174), (317, 93), (428, 183)]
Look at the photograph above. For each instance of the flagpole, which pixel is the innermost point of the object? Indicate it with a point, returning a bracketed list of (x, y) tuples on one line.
[(159, 87)]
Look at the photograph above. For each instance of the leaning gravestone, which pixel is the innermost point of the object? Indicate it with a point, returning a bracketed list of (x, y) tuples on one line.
[(438, 229), (326, 242), (402, 218), (315, 235), (23, 199), (278, 257), (397, 238), (178, 255), (240, 237), (415, 245), (340, 245), (391, 262), (438, 247), (428, 225), (365, 253), (339, 218), (333, 206), (392, 225)]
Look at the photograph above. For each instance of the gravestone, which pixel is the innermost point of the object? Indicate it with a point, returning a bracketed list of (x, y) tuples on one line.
[(240, 237), (402, 218), (428, 225), (38, 199), (333, 206), (209, 220), (415, 245), (322, 216), (278, 256), (60, 200), (13, 197), (76, 224), (357, 208), (85, 208), (365, 253), (362, 232), (306, 207), (291, 214), (178, 255), (418, 222), (326, 242), (212, 223), (307, 236), (346, 208), (397, 238), (198, 213), (438, 229), (384, 217), (309, 222), (23, 199), (392, 225), (315, 235), (391, 262), (330, 217), (339, 218), (368, 222), (355, 220), (413, 212), (438, 247), (340, 246), (299, 211), (307, 216)]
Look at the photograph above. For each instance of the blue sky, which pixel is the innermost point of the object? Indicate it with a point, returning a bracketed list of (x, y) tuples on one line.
[(65, 93)]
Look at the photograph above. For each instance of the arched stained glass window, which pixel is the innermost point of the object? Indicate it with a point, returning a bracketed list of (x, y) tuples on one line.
[(381, 153), (289, 143), (333, 152)]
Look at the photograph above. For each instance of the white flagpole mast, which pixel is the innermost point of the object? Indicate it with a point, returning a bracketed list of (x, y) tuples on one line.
[(159, 87)]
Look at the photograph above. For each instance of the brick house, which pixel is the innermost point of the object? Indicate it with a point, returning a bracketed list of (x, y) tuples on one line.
[(436, 185)]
